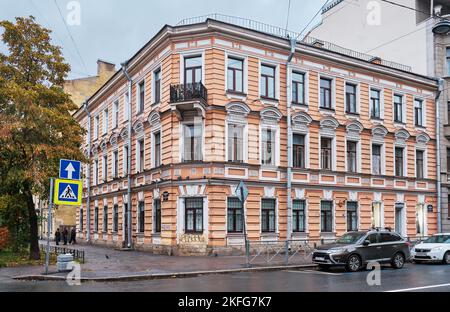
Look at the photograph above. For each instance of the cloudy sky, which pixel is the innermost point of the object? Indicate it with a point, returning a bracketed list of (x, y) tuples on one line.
[(114, 30)]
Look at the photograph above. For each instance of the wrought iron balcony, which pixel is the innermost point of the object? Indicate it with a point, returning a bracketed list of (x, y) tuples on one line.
[(188, 92)]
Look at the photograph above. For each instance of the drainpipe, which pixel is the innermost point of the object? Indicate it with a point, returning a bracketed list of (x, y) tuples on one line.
[(293, 43), (88, 200), (438, 154), (130, 85)]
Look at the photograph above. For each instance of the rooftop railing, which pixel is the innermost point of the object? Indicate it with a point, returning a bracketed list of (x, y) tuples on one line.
[(287, 34)]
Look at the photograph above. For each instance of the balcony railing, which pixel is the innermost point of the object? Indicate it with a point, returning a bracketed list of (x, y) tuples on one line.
[(188, 92)]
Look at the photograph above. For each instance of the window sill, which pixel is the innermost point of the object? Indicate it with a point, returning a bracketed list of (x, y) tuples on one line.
[(376, 119), (236, 93), (300, 104), (399, 124), (269, 101), (236, 234), (352, 114), (422, 128)]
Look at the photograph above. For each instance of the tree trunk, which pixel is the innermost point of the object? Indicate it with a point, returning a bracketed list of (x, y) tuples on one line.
[(34, 239)]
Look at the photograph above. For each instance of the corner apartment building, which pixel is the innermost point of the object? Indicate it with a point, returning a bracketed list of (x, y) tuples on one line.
[(326, 142), (405, 33)]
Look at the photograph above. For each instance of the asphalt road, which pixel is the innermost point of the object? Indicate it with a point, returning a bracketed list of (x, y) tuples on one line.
[(413, 277)]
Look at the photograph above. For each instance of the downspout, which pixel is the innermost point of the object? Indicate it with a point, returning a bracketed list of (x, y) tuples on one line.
[(438, 154), (130, 85), (293, 43), (88, 199)]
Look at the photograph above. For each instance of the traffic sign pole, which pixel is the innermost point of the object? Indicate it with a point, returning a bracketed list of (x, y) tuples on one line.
[(49, 225)]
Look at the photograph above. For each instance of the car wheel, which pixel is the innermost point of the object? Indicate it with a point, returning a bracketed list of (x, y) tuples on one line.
[(353, 263), (398, 261), (447, 257)]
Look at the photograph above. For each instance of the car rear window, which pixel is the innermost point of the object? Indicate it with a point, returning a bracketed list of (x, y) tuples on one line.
[(388, 237)]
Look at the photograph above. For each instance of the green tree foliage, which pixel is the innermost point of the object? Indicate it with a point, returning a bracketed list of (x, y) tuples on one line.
[(36, 126)]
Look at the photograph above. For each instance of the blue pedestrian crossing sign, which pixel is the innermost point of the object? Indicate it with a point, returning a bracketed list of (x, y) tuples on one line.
[(69, 169), (68, 192), (242, 191)]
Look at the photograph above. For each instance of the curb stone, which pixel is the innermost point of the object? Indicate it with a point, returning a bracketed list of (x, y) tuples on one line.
[(126, 278)]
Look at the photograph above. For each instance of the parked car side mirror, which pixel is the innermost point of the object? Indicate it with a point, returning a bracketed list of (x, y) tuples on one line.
[(366, 242)]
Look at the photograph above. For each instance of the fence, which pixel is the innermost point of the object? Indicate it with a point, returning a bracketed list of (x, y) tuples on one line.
[(57, 250)]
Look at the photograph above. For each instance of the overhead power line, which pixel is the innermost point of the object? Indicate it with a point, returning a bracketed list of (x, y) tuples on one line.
[(287, 17), (406, 7), (70, 35), (318, 12)]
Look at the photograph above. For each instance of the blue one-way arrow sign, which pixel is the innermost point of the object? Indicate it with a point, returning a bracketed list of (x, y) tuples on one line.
[(70, 169)]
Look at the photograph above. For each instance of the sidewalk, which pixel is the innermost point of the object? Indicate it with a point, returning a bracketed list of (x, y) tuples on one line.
[(107, 264)]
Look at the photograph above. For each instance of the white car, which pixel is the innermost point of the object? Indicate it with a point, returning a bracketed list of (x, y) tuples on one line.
[(436, 249)]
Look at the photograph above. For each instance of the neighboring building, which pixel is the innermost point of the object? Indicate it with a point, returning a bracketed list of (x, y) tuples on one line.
[(210, 108), (79, 89), (404, 35), (82, 88)]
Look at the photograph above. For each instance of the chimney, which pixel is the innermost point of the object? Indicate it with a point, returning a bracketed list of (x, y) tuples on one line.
[(318, 43), (105, 68), (375, 60)]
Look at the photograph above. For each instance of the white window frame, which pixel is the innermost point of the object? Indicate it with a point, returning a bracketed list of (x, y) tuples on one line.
[(125, 159), (105, 121), (276, 128), (383, 158), (404, 111), (153, 149), (105, 168), (306, 134), (116, 117), (181, 141), (305, 82), (183, 56), (405, 161), (333, 215), (381, 212), (96, 126), (358, 97), (276, 232), (139, 145), (159, 67), (424, 112), (333, 151), (138, 96), (277, 82), (95, 171), (358, 155), (425, 161), (245, 139), (381, 91), (114, 159), (126, 112), (333, 92), (244, 59)]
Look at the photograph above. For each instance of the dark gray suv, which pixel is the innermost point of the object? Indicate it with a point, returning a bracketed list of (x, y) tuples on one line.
[(355, 249)]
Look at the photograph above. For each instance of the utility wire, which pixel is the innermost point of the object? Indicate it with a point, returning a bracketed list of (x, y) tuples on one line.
[(406, 7), (320, 10), (70, 35), (287, 18)]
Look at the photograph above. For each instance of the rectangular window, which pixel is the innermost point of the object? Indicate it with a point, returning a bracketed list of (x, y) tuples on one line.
[(376, 215), (375, 104), (193, 215), (157, 85), (157, 216), (298, 148), (268, 215), (326, 216), (96, 172), (105, 121), (105, 219), (141, 155), (448, 61), (115, 114), (448, 159), (298, 216), (268, 81), (352, 216), (105, 168), (399, 162), (141, 214), (398, 108), (116, 218), (418, 113), (325, 93), (350, 98), (352, 156), (126, 113), (96, 126), (192, 142), (157, 146), (192, 70), (235, 75), (126, 168), (141, 97), (115, 164), (96, 219), (268, 147), (419, 165), (298, 88), (235, 215), (420, 219), (326, 153), (235, 143), (376, 159)]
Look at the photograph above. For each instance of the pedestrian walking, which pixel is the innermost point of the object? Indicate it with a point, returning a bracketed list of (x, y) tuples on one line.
[(57, 236), (65, 235), (73, 236)]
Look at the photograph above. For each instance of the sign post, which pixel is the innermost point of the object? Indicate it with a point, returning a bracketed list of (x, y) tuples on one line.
[(242, 193), (49, 226)]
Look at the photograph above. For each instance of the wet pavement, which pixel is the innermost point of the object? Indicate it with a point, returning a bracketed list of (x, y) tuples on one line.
[(413, 277)]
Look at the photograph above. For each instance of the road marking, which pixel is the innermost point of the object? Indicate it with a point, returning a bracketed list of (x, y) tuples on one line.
[(314, 272), (419, 288)]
